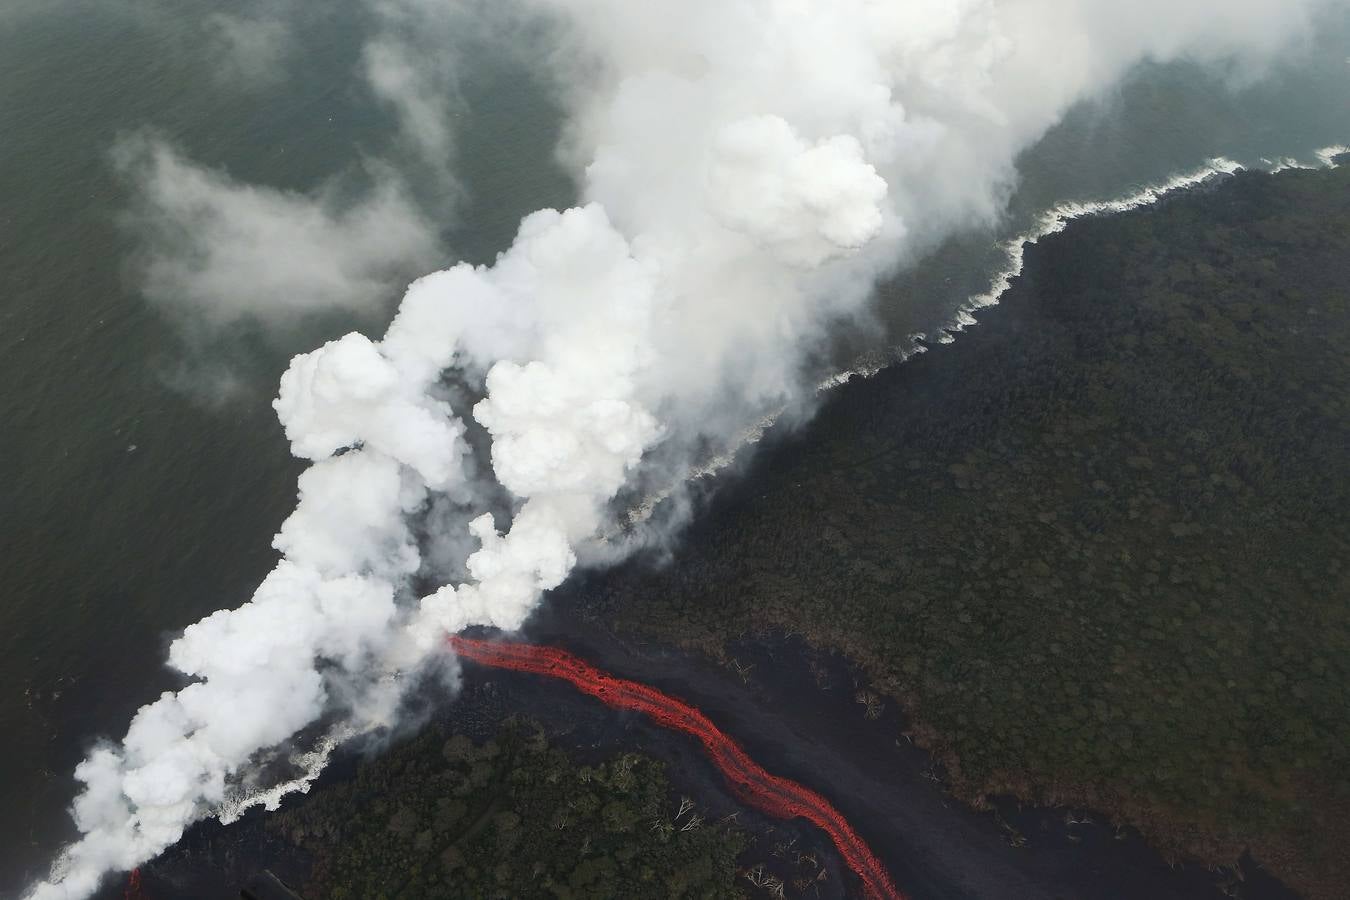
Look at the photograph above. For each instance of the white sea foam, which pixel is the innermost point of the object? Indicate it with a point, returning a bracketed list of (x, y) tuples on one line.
[(310, 764), (1327, 155), (1284, 164), (1056, 219)]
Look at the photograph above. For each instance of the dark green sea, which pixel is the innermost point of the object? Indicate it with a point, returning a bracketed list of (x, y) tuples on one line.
[(137, 494)]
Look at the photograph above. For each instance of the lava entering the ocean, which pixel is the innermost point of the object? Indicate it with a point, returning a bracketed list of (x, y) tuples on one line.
[(779, 797)]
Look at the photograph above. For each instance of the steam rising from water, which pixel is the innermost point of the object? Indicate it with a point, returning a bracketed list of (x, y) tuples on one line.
[(749, 169)]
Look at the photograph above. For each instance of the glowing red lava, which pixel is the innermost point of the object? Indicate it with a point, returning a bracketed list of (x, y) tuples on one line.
[(133, 889), (779, 797)]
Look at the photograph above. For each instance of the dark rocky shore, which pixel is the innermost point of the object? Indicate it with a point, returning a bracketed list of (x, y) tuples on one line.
[(1058, 610)]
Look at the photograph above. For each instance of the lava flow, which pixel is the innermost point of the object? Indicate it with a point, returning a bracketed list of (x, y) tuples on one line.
[(133, 889), (779, 797)]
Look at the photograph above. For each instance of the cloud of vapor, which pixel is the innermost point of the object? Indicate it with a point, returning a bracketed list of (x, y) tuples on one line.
[(749, 168), (214, 251), (410, 67), (416, 99), (217, 251), (251, 50)]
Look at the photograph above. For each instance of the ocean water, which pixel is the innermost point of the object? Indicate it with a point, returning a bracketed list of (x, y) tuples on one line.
[(131, 506)]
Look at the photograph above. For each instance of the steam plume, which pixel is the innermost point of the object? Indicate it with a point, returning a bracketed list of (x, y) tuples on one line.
[(749, 168)]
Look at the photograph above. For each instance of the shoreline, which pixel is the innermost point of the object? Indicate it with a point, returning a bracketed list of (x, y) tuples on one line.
[(1048, 222), (547, 608)]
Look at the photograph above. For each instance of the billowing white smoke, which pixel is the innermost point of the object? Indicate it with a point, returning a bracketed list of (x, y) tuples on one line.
[(749, 167)]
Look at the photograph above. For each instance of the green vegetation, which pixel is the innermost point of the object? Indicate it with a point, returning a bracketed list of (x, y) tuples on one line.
[(510, 817), (1099, 548)]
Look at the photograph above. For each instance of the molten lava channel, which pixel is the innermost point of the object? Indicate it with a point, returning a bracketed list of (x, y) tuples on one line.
[(778, 797)]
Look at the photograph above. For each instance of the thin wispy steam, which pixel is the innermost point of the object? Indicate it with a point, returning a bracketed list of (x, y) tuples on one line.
[(749, 168), (418, 103), (214, 250), (410, 68), (252, 50)]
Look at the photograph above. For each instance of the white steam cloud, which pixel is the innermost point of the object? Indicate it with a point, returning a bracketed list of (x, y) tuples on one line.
[(749, 168), (218, 251)]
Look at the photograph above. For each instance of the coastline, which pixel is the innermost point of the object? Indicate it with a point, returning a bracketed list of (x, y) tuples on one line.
[(1049, 222), (873, 787)]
